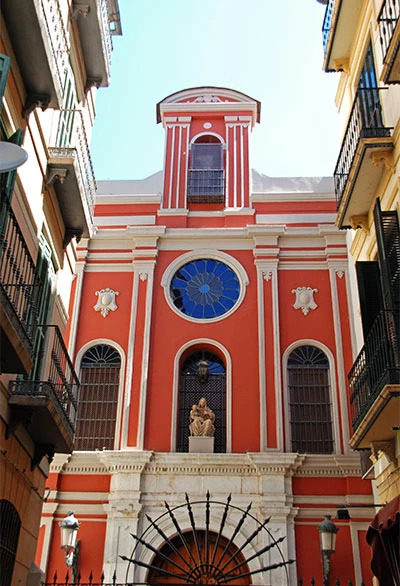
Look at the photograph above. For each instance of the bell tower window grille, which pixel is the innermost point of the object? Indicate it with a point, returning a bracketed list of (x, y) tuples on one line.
[(310, 401), (98, 399), (193, 386)]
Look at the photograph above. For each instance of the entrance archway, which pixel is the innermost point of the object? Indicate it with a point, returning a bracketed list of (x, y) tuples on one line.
[(207, 559), (205, 555)]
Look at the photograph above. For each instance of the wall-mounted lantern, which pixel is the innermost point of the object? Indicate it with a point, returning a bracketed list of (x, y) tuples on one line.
[(327, 532)]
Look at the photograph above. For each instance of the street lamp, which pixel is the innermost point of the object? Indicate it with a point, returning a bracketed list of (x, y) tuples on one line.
[(11, 156), (69, 532), (327, 533)]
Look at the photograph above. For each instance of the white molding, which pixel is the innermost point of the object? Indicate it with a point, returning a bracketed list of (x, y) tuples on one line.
[(178, 169), (120, 350), (261, 356), (134, 198), (171, 167), (227, 167), (333, 394), (145, 353), (291, 196), (207, 133), (131, 353), (148, 220), (241, 167), (339, 359), (199, 254), (296, 218), (228, 381)]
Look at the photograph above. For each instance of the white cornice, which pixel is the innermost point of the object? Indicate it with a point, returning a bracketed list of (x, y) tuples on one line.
[(291, 196), (126, 198)]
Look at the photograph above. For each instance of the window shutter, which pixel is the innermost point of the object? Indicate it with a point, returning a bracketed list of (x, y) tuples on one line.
[(4, 68), (368, 278), (388, 241)]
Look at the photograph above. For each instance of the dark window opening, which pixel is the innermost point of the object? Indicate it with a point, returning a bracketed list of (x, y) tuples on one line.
[(98, 399), (206, 173), (192, 388), (309, 401), (10, 524)]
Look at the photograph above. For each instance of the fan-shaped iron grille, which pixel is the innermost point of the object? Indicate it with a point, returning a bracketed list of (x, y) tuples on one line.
[(200, 555)]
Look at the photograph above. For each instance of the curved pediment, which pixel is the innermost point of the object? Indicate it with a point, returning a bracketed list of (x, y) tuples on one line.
[(207, 98)]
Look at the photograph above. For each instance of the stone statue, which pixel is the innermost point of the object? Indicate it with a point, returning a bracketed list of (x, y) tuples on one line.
[(202, 419)]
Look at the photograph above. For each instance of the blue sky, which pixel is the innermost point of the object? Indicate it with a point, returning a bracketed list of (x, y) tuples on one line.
[(268, 49)]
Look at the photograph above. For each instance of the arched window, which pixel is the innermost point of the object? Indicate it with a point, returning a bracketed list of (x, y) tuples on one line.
[(310, 401), (10, 524), (195, 385), (206, 173), (98, 398)]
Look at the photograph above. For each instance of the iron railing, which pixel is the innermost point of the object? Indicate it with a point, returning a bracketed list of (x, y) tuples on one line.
[(106, 32), (58, 379), (327, 24), (92, 582), (365, 122), (19, 280), (377, 365), (56, 35), (206, 185), (72, 142), (387, 21)]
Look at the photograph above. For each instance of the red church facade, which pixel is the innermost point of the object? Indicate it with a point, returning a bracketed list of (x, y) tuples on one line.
[(211, 261)]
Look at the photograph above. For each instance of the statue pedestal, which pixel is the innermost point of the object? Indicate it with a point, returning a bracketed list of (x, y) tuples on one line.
[(201, 444)]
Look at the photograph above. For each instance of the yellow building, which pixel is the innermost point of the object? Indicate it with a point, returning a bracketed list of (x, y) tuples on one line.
[(361, 40), (54, 54)]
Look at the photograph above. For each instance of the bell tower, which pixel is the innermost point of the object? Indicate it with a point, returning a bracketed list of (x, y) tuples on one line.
[(207, 149)]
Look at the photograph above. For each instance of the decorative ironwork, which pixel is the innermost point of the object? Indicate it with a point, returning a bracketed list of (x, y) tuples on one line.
[(387, 22), (365, 122), (19, 280), (206, 185), (98, 398), (72, 143), (10, 524), (201, 556), (327, 24), (192, 389), (309, 401), (58, 379), (377, 365)]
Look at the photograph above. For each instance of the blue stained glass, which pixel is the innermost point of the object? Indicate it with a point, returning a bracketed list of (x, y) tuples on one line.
[(204, 288)]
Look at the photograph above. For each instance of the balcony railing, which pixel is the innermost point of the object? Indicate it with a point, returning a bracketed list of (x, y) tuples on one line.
[(327, 24), (58, 380), (377, 365), (72, 143), (206, 185), (19, 279), (365, 122), (55, 33), (387, 21)]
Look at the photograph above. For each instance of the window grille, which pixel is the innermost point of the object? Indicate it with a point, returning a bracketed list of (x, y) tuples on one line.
[(309, 401), (98, 399), (192, 389), (10, 525)]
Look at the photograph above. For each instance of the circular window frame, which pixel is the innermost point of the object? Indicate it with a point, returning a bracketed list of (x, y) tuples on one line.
[(231, 262)]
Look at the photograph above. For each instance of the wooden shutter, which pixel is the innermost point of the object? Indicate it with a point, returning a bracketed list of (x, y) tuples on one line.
[(4, 69), (388, 241), (368, 278)]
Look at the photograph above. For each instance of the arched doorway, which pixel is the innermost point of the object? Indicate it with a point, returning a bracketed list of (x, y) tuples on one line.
[(200, 551), (193, 385), (206, 559)]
